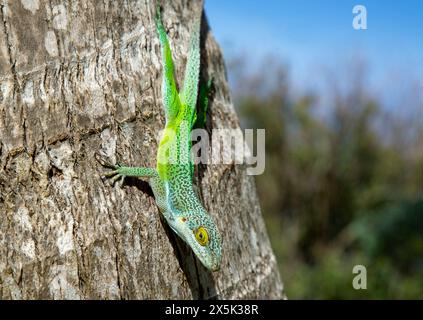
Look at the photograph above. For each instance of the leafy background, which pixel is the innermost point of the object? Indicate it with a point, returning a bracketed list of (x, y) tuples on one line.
[(343, 183)]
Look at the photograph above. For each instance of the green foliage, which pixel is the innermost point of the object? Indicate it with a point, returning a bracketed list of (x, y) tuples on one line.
[(336, 191)]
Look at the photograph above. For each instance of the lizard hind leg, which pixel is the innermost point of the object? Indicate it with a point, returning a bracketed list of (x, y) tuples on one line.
[(170, 95), (189, 93), (203, 103)]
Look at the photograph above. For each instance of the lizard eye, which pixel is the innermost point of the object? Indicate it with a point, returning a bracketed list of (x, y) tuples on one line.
[(202, 236)]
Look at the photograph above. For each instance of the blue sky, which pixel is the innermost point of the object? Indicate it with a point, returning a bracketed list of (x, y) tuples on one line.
[(312, 35)]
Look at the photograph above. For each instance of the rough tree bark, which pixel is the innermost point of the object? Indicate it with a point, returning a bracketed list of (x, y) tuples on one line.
[(80, 77)]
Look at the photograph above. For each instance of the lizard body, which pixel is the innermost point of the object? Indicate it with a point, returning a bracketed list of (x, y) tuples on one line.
[(171, 180)]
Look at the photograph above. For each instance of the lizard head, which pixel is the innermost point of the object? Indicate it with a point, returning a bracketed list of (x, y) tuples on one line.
[(199, 231)]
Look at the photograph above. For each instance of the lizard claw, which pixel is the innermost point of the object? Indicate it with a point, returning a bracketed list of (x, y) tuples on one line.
[(104, 163), (211, 81), (110, 174), (158, 17), (114, 175)]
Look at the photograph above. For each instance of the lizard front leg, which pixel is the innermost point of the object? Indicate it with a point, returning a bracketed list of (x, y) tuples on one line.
[(119, 172)]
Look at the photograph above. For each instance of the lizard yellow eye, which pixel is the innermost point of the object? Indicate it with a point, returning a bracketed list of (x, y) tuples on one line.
[(202, 236)]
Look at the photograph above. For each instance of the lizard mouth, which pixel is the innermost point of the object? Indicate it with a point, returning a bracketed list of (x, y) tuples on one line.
[(215, 263), (215, 267), (209, 260)]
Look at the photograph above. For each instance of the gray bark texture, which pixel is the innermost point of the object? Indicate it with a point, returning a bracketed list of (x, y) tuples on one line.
[(83, 77)]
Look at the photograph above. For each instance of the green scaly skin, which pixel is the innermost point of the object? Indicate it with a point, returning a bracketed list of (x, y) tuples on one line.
[(171, 180)]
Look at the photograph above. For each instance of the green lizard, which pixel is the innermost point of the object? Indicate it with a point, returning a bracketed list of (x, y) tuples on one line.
[(171, 180)]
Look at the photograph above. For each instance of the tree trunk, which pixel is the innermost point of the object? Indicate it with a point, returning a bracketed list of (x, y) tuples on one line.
[(83, 77)]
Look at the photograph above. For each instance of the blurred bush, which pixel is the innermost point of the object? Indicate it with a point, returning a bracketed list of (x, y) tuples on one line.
[(343, 185)]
